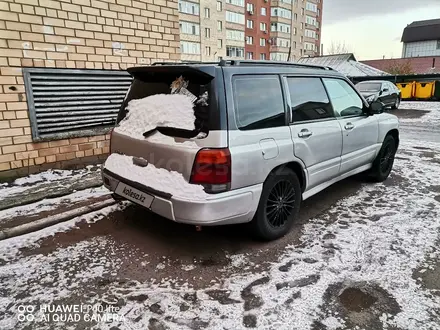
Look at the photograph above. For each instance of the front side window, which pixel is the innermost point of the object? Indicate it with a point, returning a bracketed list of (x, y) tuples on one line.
[(308, 99), (345, 101), (258, 102)]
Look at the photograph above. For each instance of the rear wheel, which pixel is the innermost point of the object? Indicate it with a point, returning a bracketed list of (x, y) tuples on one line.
[(383, 164), (279, 205), (396, 104)]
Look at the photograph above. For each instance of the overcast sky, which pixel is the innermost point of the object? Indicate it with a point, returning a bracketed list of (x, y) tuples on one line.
[(373, 28)]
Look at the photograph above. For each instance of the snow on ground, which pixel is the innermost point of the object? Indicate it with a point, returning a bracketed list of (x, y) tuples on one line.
[(432, 117), (167, 110), (379, 237), (157, 178), (20, 185), (426, 106), (52, 203), (9, 248)]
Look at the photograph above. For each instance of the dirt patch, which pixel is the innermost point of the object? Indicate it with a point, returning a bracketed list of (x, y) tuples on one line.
[(409, 114), (356, 300), (359, 304)]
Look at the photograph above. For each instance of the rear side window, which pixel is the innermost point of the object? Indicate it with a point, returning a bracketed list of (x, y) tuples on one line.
[(308, 99), (258, 102)]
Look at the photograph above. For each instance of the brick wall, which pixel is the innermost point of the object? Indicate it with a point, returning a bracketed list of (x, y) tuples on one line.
[(81, 34)]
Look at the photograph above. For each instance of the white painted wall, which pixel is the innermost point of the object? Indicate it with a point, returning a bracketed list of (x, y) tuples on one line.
[(421, 48)]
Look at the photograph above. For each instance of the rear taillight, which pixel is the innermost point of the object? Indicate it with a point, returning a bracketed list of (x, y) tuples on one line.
[(212, 169)]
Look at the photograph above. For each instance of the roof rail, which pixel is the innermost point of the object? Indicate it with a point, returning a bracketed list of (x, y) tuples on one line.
[(184, 63), (248, 62), (277, 63)]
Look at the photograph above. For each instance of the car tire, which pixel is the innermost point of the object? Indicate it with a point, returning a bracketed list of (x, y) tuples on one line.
[(383, 164), (279, 205), (396, 104)]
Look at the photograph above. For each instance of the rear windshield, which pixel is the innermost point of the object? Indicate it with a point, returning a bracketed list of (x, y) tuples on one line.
[(150, 83), (368, 87)]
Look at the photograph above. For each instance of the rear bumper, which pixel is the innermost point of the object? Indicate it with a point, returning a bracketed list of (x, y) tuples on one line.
[(232, 207)]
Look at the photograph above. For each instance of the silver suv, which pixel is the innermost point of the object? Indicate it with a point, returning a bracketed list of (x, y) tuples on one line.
[(267, 135)]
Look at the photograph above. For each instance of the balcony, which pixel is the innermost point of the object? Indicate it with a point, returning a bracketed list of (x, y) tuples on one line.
[(278, 3)]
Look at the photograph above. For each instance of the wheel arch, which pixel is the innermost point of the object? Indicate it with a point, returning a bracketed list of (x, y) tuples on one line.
[(395, 134), (298, 169)]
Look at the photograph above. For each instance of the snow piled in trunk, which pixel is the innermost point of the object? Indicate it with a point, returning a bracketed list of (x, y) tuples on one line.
[(166, 110), (159, 179)]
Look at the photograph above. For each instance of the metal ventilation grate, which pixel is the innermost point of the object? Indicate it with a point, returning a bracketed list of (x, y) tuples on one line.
[(72, 103)]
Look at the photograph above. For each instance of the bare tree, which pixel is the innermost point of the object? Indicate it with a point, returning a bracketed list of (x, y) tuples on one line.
[(338, 48), (399, 67)]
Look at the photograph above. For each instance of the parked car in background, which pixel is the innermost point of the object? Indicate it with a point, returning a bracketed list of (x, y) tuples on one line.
[(383, 91), (267, 136)]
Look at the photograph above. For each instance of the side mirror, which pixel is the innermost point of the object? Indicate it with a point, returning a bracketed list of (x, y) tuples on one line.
[(385, 90), (376, 107)]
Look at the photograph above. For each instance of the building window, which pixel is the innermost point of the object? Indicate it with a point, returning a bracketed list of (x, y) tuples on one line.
[(295, 17), (295, 31), (236, 2), (281, 42), (263, 11), (219, 43), (262, 42), (207, 13), (219, 5), (278, 56), (280, 27), (250, 55), (250, 40), (302, 11), (281, 12), (302, 26), (250, 7), (311, 6), (187, 47), (438, 44), (189, 28), (235, 35), (301, 39), (310, 20), (208, 51), (233, 17), (262, 56), (263, 26), (232, 51), (310, 33), (189, 7), (207, 33), (250, 24), (219, 25)]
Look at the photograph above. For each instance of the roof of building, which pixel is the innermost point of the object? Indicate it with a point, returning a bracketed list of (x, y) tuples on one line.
[(422, 31), (345, 64), (416, 65)]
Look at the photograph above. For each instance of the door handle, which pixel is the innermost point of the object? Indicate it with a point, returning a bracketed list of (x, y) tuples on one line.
[(349, 126), (305, 133)]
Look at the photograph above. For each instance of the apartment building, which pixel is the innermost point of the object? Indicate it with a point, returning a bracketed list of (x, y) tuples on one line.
[(295, 29), (251, 29)]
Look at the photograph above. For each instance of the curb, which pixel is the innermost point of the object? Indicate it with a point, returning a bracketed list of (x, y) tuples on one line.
[(54, 219)]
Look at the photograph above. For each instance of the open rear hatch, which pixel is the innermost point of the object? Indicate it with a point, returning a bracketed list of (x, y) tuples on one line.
[(154, 125)]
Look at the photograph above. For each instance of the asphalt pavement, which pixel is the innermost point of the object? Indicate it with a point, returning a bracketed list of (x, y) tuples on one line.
[(361, 255)]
